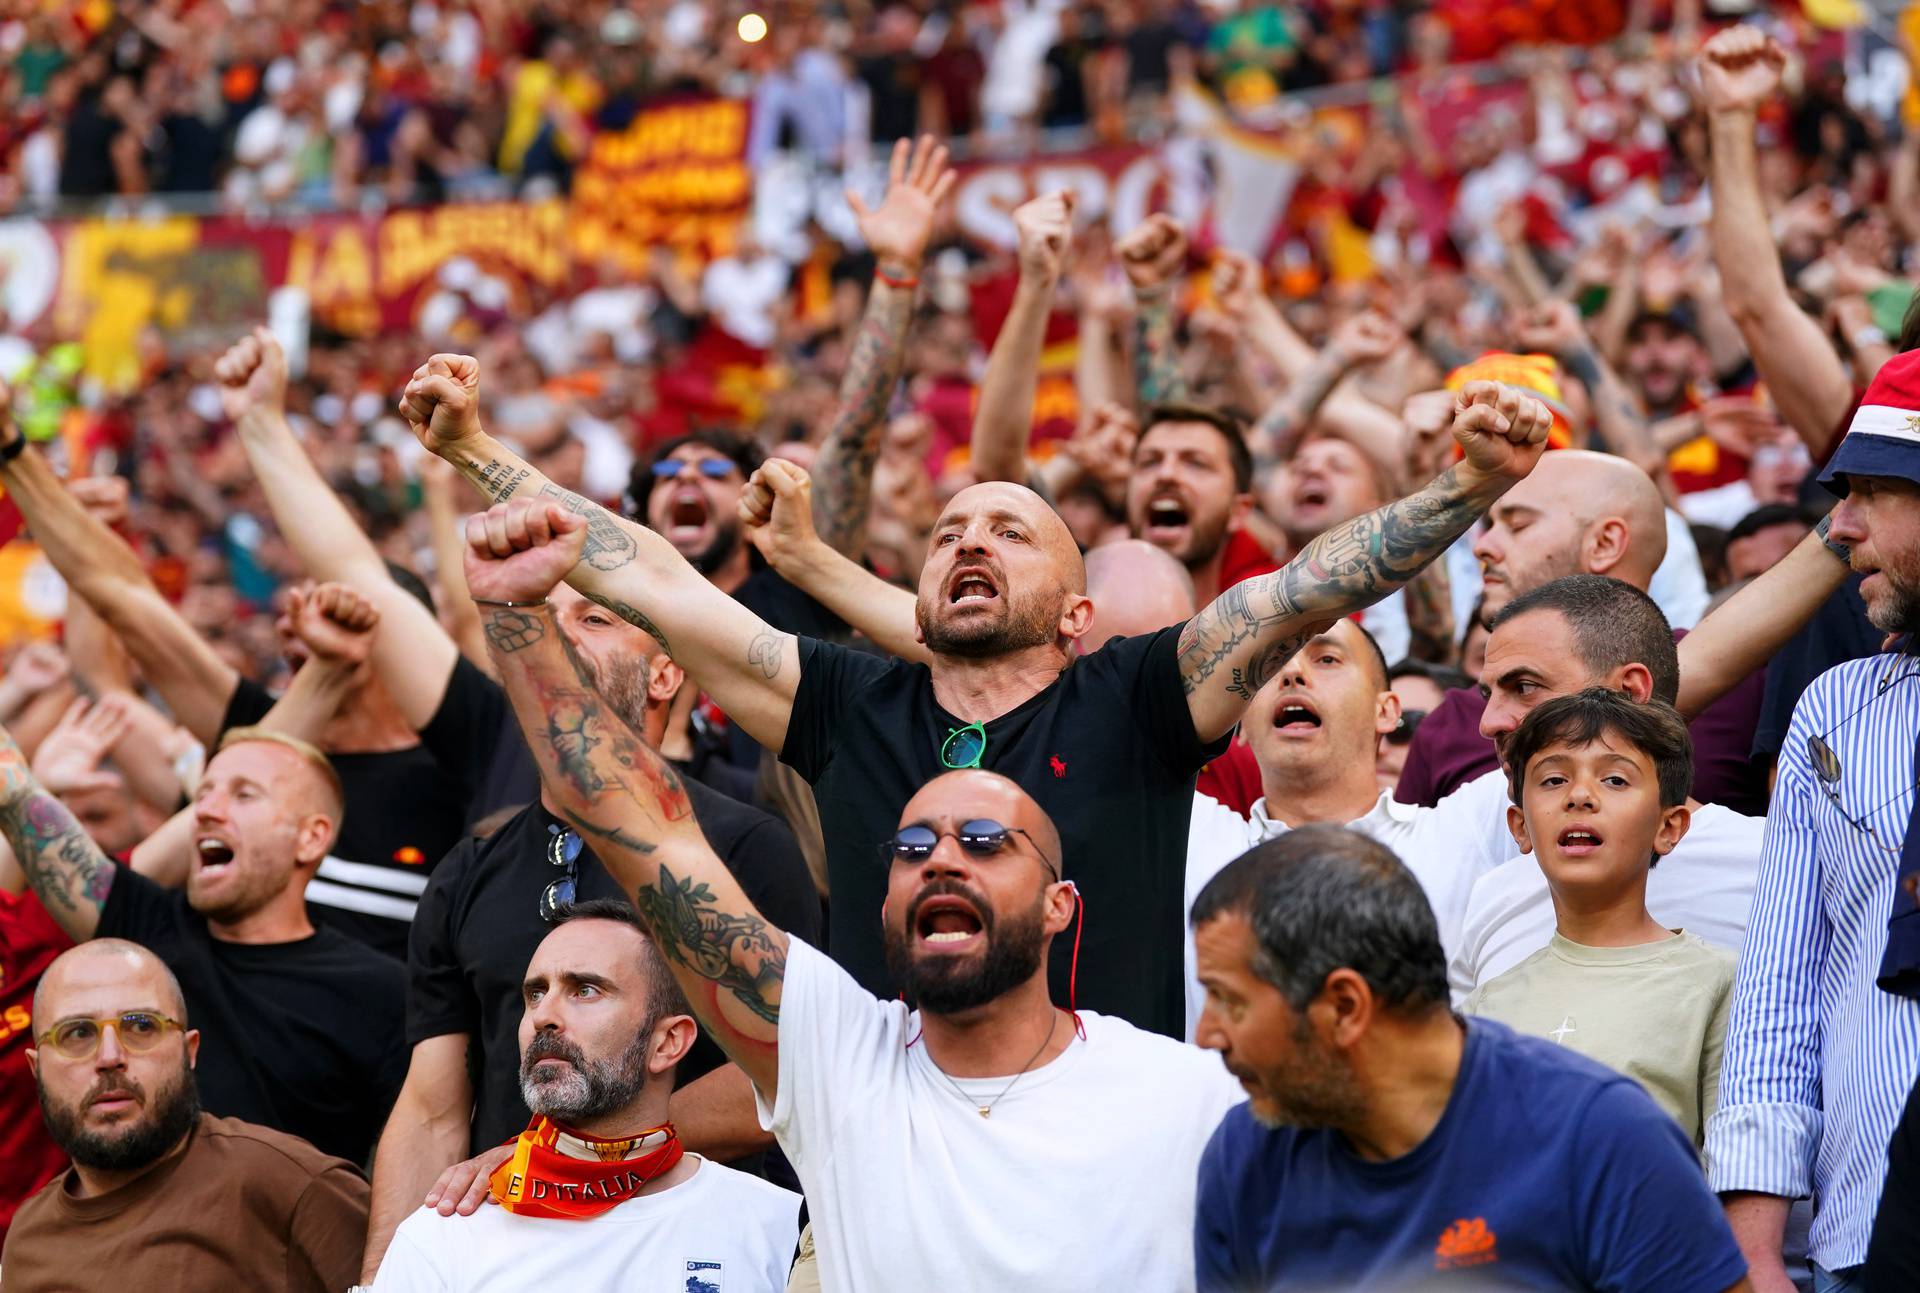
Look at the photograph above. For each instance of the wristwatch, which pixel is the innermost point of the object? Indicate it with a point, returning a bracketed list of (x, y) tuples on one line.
[(1838, 549), (15, 447)]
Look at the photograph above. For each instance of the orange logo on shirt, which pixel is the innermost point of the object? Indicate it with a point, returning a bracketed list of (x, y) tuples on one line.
[(1465, 1243)]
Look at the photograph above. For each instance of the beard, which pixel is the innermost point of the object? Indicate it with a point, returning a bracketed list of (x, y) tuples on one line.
[(1899, 610), (590, 1088), (622, 682), (1314, 1088), (164, 1119), (726, 540), (939, 985), (987, 636)]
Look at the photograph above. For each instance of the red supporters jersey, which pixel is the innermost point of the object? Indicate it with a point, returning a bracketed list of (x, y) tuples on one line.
[(1233, 779), (1244, 559), (29, 940)]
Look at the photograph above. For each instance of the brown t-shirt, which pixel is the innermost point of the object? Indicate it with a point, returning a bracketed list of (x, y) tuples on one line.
[(242, 1207)]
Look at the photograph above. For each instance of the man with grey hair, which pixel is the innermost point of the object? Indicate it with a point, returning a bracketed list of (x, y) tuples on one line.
[(604, 1027), (157, 1186), (1385, 1138)]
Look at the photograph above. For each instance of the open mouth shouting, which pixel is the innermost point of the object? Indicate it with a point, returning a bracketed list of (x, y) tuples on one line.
[(687, 517), (1295, 716), (946, 922), (1311, 494), (1579, 840), (1168, 519), (212, 854), (972, 586)]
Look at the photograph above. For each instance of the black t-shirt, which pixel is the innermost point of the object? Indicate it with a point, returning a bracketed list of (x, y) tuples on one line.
[(306, 1037), (479, 924), (1837, 633), (1108, 750), (1893, 1254), (404, 811)]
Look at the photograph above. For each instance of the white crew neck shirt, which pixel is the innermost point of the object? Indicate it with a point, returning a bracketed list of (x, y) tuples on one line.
[(1082, 1178), (731, 1232)]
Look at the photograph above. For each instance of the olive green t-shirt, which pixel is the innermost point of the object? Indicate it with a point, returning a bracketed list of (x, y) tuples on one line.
[(1656, 1012)]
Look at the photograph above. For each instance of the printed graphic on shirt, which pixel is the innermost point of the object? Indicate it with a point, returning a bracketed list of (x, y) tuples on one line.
[(1467, 1242), (1567, 1026), (704, 1277)]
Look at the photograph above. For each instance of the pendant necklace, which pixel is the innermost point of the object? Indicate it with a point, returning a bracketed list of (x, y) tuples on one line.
[(986, 1110)]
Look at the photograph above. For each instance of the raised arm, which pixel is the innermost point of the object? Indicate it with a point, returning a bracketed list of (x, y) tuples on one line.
[(413, 656), (749, 668), (1003, 423), (1366, 338), (103, 571), (1740, 69), (67, 870), (1153, 256), (618, 791), (1554, 328), (1229, 650), (897, 233), (775, 514), (1745, 631)]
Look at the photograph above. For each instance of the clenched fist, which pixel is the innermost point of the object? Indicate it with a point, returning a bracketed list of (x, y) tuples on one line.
[(253, 377), (518, 551), (335, 622), (1502, 431), (1740, 69), (441, 404), (1366, 338), (776, 511), (1153, 253), (1045, 226)]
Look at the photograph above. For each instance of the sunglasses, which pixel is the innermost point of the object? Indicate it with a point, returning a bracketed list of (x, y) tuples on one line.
[(964, 746), (711, 468), (139, 1031), (1827, 770), (1409, 723), (982, 837), (563, 850)]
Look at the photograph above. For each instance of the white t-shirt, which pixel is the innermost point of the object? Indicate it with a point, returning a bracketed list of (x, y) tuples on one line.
[(732, 1232), (1705, 886), (1082, 1178), (1448, 847)]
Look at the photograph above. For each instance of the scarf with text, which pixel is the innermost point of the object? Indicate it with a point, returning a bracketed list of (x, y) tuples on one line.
[(559, 1173)]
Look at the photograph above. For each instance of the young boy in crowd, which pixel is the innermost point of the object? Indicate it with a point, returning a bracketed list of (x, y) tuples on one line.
[(1599, 784)]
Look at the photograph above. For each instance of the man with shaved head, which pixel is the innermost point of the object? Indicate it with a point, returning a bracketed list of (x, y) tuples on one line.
[(1008, 1141), (1108, 743), (1579, 513), (304, 1023), (1135, 588), (160, 1193)]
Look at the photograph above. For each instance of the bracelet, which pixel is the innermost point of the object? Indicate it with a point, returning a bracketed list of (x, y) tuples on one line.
[(13, 448), (512, 606), (1867, 336), (1838, 549), (905, 283)]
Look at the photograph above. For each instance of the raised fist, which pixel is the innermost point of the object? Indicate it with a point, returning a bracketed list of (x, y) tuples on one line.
[(776, 511), (334, 621), (1366, 338), (441, 404), (1502, 431), (1553, 328), (1740, 69), (918, 181), (252, 377), (1045, 226), (1236, 284), (518, 550), (104, 497), (1153, 253)]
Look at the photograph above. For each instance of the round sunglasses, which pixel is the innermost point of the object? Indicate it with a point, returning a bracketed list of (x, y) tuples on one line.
[(979, 837), (563, 850)]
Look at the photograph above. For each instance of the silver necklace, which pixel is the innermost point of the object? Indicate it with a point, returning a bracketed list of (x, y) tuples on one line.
[(986, 1110)]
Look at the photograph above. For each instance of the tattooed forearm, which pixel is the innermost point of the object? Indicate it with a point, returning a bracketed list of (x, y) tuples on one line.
[(510, 630), (1279, 429), (1250, 630), (498, 480), (739, 952), (608, 546), (67, 870), (1429, 598), (843, 473), (1156, 363), (633, 616), (764, 652)]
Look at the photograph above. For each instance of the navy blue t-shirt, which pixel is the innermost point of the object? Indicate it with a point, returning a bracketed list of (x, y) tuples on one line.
[(1547, 1171)]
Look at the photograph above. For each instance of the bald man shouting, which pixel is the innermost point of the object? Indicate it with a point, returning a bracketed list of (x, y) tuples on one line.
[(1108, 744), (1579, 513)]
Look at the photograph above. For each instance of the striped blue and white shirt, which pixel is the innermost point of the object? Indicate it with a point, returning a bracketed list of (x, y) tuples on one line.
[(1818, 1060)]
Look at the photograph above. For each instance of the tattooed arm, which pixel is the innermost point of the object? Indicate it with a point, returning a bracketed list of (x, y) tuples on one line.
[(749, 668), (897, 233), (67, 870), (1229, 650), (1153, 255), (617, 791), (1365, 338)]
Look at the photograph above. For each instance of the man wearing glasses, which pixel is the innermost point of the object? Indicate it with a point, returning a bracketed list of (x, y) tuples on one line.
[(1823, 1043), (162, 1195), (974, 1136)]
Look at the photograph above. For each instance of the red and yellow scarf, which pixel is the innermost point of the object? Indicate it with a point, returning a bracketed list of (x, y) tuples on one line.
[(555, 1172)]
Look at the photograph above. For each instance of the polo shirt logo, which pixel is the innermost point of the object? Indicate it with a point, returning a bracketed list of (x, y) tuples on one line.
[(1058, 765), (1467, 1242), (704, 1277)]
